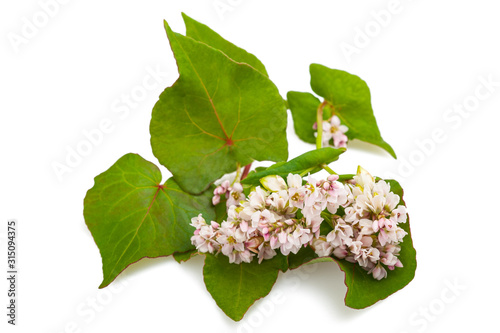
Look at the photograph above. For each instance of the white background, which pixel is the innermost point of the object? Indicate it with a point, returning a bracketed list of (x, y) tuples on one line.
[(73, 71)]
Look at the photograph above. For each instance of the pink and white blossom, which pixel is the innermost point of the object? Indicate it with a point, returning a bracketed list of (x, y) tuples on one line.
[(267, 221)]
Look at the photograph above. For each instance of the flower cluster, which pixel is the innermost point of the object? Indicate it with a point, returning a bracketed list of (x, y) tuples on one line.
[(267, 220), (287, 216), (368, 233), (333, 130)]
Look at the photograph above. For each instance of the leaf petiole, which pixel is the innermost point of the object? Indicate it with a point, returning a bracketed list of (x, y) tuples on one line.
[(246, 170), (238, 174), (328, 169), (305, 172), (319, 122)]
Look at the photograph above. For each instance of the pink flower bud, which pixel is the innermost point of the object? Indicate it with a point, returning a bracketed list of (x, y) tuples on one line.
[(340, 252), (379, 272), (332, 178), (225, 185), (367, 241)]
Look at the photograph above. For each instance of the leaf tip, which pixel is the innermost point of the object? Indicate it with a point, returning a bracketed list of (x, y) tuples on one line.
[(314, 66), (104, 284), (166, 26), (389, 149)]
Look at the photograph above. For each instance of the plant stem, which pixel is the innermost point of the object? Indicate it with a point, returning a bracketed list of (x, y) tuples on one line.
[(319, 137), (246, 171), (305, 172), (238, 173), (319, 122), (328, 169)]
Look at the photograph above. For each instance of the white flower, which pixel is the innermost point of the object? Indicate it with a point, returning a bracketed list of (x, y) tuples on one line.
[(314, 224), (395, 235), (366, 255), (297, 196), (339, 140), (389, 259), (322, 247), (301, 236), (235, 195), (262, 217), (237, 257), (257, 198), (233, 215), (204, 240), (265, 252), (198, 222), (294, 181), (279, 202), (335, 193), (378, 272), (332, 129), (341, 234), (355, 247), (399, 214)]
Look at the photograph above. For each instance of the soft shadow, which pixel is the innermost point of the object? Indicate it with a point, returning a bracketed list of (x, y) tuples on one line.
[(367, 147), (326, 281), (143, 265)]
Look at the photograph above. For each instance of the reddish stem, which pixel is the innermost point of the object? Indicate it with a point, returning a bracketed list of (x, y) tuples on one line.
[(246, 171)]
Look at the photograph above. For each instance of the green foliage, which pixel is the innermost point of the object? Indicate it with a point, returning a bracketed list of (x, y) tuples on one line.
[(303, 107), (235, 287), (351, 101), (216, 114), (204, 34), (132, 216), (347, 96), (222, 113), (184, 256), (309, 162), (363, 289)]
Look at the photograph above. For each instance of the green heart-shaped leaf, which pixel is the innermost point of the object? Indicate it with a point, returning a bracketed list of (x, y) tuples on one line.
[(217, 114), (204, 34), (310, 161), (235, 287), (132, 216), (350, 98)]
